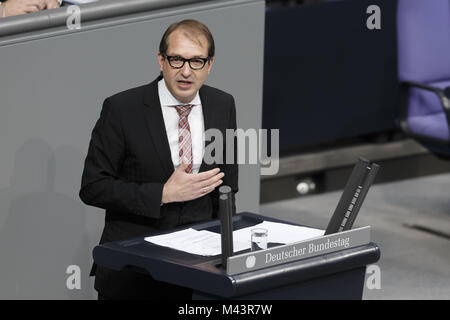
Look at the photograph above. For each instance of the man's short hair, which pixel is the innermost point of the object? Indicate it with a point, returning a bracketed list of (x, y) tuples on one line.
[(194, 29)]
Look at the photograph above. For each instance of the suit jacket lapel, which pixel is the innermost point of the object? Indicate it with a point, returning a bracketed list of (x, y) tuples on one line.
[(208, 119), (155, 124)]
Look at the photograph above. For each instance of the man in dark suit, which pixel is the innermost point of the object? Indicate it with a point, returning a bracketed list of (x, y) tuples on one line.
[(145, 162)]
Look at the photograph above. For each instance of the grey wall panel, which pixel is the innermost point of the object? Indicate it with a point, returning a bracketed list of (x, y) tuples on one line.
[(52, 85)]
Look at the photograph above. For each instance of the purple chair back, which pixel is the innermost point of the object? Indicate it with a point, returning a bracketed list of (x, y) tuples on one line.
[(423, 37)]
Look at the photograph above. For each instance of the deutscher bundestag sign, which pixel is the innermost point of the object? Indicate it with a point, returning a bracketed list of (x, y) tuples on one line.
[(297, 251)]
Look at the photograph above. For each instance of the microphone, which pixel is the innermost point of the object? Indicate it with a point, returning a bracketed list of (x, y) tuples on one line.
[(353, 196), (226, 224)]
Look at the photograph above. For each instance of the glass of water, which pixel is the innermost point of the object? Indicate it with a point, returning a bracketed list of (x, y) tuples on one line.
[(259, 239)]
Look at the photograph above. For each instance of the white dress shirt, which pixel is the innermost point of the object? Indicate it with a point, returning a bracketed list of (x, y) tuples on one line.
[(171, 118)]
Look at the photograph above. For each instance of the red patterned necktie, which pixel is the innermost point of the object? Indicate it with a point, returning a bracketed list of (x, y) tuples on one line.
[(184, 136)]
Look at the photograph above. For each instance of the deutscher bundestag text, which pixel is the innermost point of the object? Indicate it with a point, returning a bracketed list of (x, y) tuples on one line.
[(312, 248)]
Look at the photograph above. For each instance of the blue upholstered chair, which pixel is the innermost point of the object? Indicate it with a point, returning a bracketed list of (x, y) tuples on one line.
[(423, 31)]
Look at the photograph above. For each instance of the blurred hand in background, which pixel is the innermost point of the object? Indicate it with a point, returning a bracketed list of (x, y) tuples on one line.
[(18, 7)]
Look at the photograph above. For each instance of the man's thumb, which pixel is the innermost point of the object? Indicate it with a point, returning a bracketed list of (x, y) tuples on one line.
[(182, 166)]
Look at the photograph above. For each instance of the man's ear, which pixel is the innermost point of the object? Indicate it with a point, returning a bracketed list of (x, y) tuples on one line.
[(160, 61), (210, 64)]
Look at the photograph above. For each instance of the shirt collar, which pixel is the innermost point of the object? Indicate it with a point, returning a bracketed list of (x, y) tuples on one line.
[(167, 99)]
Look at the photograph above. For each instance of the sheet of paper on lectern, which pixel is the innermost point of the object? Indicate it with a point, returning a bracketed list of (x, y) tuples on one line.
[(203, 242), (287, 233)]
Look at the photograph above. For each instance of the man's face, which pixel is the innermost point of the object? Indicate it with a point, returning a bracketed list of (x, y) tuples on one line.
[(184, 83)]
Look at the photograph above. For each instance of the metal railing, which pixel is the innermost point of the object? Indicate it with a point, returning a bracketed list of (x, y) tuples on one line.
[(90, 11)]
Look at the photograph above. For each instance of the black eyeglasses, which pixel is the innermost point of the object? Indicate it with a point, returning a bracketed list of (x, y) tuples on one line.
[(178, 62)]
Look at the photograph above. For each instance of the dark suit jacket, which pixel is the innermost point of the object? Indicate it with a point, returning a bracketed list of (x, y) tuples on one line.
[(126, 167)]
